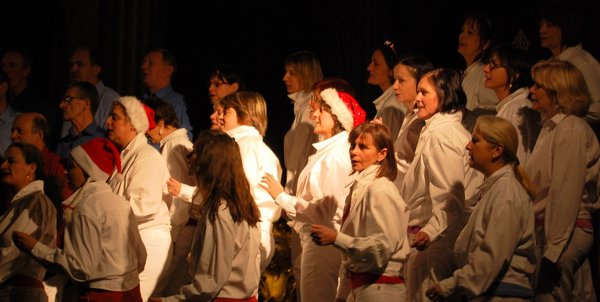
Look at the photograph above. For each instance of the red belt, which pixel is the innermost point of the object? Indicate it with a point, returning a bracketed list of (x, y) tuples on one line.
[(360, 279), (251, 299), (19, 280), (579, 223), (102, 295)]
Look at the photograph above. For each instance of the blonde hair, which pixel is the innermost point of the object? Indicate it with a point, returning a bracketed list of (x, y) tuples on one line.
[(250, 107), (564, 84), (499, 131), (307, 66)]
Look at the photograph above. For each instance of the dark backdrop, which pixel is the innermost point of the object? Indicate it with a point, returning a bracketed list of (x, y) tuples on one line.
[(255, 36)]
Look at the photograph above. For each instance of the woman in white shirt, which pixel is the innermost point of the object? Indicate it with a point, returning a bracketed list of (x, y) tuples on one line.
[(224, 257), (407, 74), (29, 211), (374, 222), (564, 168), (439, 181), (496, 250), (381, 74), (143, 184), (561, 33), (474, 39), (507, 73), (240, 121), (322, 188)]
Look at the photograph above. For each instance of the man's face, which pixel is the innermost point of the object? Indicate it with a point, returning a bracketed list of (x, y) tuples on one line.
[(13, 65), (82, 69), (155, 72), (22, 130), (73, 106)]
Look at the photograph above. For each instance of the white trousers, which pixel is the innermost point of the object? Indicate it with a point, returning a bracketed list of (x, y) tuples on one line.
[(158, 244)]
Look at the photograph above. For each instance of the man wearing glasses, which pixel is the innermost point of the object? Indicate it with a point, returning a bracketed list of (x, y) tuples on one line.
[(78, 106)]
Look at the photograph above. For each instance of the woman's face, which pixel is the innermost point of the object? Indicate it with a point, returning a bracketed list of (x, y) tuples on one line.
[(324, 122), (379, 73), (496, 77), (15, 171), (481, 152), (218, 89), (428, 102), (313, 103), (229, 119), (405, 85), (215, 118), (291, 80), (364, 153), (541, 100), (469, 42), (550, 35), (119, 128)]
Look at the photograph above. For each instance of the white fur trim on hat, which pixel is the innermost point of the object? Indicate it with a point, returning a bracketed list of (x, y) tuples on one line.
[(136, 113), (87, 164), (338, 107)]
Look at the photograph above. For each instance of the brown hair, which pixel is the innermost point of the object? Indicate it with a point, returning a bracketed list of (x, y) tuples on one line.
[(216, 164), (380, 136)]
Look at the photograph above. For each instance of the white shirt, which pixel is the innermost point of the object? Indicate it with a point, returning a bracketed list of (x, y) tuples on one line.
[(174, 149), (516, 108), (406, 144), (297, 143), (222, 260), (258, 159), (498, 242), (373, 236), (564, 169), (473, 84), (143, 181), (589, 67), (31, 212), (390, 110), (102, 245), (439, 181), (322, 186)]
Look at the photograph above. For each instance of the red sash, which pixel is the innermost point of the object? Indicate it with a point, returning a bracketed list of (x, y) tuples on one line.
[(102, 295), (359, 279)]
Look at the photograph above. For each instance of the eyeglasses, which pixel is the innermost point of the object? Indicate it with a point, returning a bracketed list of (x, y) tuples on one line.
[(493, 65), (216, 84), (69, 99)]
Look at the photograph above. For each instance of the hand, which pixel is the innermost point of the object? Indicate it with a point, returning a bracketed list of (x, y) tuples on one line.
[(549, 276), (378, 120), (24, 241), (434, 293), (323, 235), (420, 241), (271, 185), (154, 299), (174, 186)]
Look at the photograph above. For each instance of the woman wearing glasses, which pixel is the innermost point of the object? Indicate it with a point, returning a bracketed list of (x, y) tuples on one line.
[(507, 74)]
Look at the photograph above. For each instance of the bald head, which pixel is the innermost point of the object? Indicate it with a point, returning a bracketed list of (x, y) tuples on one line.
[(31, 128)]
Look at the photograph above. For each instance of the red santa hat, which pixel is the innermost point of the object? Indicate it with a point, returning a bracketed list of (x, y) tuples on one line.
[(344, 107), (138, 113), (98, 157)]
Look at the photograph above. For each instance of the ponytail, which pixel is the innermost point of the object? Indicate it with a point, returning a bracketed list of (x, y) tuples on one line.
[(523, 179)]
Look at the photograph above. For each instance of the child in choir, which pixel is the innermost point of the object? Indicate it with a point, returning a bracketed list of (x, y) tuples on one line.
[(224, 258)]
